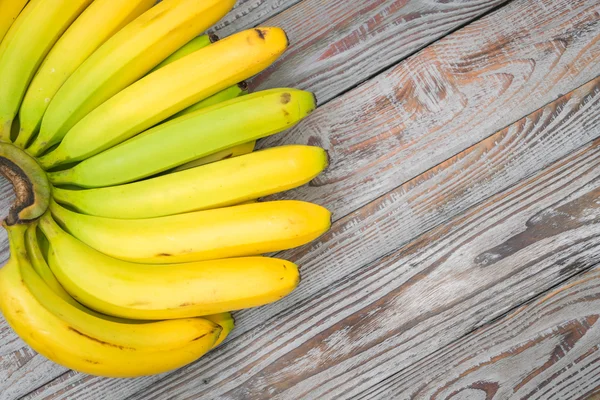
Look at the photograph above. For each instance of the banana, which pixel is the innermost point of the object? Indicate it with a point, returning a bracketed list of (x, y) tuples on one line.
[(219, 184), (232, 152), (231, 92), (225, 321), (10, 12), (191, 137), (193, 45), (123, 59), (40, 266), (236, 231), (187, 329), (55, 338), (167, 91), (94, 26), (38, 27), (146, 291)]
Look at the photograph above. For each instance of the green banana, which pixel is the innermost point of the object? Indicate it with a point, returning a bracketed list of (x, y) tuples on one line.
[(123, 59), (167, 91), (30, 38), (191, 137)]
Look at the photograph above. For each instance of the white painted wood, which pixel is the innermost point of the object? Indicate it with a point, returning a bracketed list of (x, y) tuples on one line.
[(546, 350), (449, 96), (394, 312), (337, 44), (373, 231)]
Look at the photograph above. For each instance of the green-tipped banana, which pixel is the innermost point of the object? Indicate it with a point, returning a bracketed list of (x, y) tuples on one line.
[(219, 184), (167, 91), (123, 59), (30, 38), (94, 26), (192, 136), (236, 231), (147, 291)]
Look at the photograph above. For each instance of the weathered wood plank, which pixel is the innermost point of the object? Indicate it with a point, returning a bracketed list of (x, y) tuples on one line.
[(448, 97), (369, 233), (415, 301), (249, 13), (338, 44), (544, 350)]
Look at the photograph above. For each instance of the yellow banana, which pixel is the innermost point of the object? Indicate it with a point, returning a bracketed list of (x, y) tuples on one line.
[(57, 339), (191, 137), (146, 291), (242, 230), (167, 91), (123, 59), (232, 152), (219, 184), (94, 26), (225, 321), (10, 12), (231, 92), (177, 334), (193, 45), (37, 28)]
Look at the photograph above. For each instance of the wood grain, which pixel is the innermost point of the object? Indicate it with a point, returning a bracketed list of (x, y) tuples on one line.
[(336, 44), (448, 97), (545, 350), (250, 13), (368, 234), (415, 301)]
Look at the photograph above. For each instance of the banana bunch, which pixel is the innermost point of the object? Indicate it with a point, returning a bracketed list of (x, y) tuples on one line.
[(128, 135)]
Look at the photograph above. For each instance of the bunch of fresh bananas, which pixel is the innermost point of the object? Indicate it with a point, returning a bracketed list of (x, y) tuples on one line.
[(129, 141)]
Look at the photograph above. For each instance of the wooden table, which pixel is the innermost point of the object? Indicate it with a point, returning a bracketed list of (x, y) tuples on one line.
[(465, 186)]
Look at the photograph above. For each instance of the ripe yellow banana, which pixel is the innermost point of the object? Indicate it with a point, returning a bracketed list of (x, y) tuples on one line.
[(193, 45), (147, 291), (236, 231), (145, 335), (219, 184), (232, 152), (30, 38), (191, 137), (65, 344), (10, 12), (123, 59), (167, 91), (225, 321), (94, 26)]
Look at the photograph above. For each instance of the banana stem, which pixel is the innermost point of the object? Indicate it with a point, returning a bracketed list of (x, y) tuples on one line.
[(29, 181)]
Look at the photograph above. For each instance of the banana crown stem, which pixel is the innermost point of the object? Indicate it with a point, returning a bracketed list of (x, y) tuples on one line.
[(29, 181)]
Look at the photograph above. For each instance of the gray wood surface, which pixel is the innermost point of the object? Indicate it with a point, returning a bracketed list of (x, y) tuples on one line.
[(414, 301), (447, 97), (400, 168), (336, 44), (544, 350)]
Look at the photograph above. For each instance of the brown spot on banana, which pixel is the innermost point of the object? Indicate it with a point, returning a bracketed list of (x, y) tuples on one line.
[(285, 98)]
